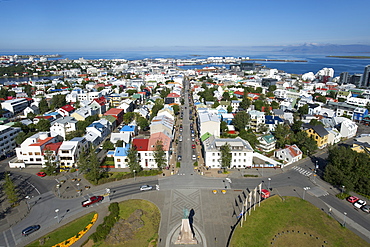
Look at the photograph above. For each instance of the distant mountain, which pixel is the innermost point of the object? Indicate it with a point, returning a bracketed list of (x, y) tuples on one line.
[(313, 48)]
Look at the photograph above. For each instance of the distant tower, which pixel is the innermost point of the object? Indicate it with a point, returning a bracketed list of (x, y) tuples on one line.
[(366, 77), (343, 79)]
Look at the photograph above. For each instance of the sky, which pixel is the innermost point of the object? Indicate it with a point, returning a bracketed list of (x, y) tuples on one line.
[(50, 25)]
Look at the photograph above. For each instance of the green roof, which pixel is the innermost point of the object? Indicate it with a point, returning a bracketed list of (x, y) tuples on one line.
[(205, 136), (269, 138), (110, 118), (343, 93), (136, 96)]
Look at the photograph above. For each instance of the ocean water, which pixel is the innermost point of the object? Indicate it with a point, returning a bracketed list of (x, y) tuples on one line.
[(314, 62)]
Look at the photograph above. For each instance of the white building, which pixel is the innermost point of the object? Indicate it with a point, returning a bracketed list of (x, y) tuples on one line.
[(209, 122), (241, 151), (62, 126), (7, 139), (15, 105), (69, 151), (289, 155), (257, 119)]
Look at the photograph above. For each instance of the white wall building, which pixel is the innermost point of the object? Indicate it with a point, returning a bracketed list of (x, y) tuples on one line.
[(7, 139)]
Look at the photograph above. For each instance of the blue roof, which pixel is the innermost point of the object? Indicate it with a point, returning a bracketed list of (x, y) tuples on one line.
[(96, 125), (129, 128), (110, 152), (51, 114), (271, 119), (121, 151)]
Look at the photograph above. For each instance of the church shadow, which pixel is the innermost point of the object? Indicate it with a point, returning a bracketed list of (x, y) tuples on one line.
[(191, 220)]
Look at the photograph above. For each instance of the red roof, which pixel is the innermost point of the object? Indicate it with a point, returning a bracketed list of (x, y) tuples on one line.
[(53, 146), (173, 95), (44, 117), (239, 92), (101, 100), (68, 108), (42, 142), (113, 111), (141, 144)]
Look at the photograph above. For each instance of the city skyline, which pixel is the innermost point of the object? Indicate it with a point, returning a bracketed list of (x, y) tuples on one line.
[(117, 25)]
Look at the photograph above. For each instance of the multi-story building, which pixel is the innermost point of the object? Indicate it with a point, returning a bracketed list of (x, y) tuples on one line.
[(62, 126), (257, 119), (209, 122), (241, 152), (365, 82), (7, 139), (266, 143), (70, 151), (15, 105), (318, 133)]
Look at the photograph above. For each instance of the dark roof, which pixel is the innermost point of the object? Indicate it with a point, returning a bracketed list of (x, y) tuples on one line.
[(319, 129)]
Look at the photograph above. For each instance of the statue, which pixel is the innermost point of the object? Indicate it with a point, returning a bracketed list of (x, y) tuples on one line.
[(186, 235)]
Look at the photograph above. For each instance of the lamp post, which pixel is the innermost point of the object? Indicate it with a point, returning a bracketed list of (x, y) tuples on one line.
[(314, 175), (58, 186), (304, 191), (343, 189), (134, 174), (28, 205), (56, 211), (269, 179), (344, 219)]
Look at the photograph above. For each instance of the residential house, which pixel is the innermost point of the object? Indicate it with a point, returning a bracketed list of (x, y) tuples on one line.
[(334, 136), (289, 154), (346, 127), (267, 143), (117, 113), (120, 157), (97, 131), (130, 129), (15, 106), (100, 105), (83, 113), (208, 122), (162, 124), (227, 117), (318, 133), (235, 105), (69, 152), (241, 151), (121, 136), (63, 126), (359, 113), (172, 98), (66, 110), (31, 109), (257, 119), (272, 122), (362, 144)]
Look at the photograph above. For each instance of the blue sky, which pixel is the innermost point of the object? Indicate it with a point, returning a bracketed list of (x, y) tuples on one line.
[(49, 25)]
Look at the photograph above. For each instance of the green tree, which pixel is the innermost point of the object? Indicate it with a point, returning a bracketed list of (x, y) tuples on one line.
[(43, 106), (119, 143), (58, 101), (72, 134), (272, 88), (229, 109), (321, 99), (108, 145), (10, 190), (159, 155), (176, 109), (226, 96), (316, 122), (43, 125), (142, 122), (275, 105), (223, 127), (241, 120), (133, 159), (258, 104), (303, 110), (283, 135), (250, 137), (297, 126), (306, 144), (51, 163), (244, 104), (225, 156), (164, 92)]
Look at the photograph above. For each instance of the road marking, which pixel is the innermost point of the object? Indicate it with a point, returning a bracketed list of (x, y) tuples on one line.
[(6, 240)]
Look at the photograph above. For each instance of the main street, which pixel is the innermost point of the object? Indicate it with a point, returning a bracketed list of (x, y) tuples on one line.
[(213, 215)]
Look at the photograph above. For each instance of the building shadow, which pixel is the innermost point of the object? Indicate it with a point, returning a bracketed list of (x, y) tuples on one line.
[(191, 220)]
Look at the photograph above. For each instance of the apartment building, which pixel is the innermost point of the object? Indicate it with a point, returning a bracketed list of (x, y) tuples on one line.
[(15, 105), (69, 152), (7, 139)]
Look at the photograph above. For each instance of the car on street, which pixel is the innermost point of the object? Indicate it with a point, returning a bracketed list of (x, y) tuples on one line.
[(366, 208), (359, 203), (146, 187), (41, 174), (352, 199), (193, 157), (193, 146), (179, 157), (192, 139), (92, 200), (27, 231)]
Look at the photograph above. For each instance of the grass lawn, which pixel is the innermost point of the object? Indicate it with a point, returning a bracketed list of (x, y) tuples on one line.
[(65, 232), (294, 222), (151, 218)]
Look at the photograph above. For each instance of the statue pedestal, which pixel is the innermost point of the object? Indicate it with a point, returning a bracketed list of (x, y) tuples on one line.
[(186, 235)]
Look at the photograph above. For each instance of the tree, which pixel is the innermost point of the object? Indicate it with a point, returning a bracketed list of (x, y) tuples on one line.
[(119, 143), (51, 163), (283, 135), (250, 137), (155, 110), (159, 155), (321, 99), (275, 105), (164, 92), (297, 126), (306, 144), (142, 122), (10, 190), (43, 106), (229, 109), (244, 104), (176, 109), (241, 120), (133, 159), (258, 104), (226, 96), (303, 110), (95, 172), (108, 145), (43, 125), (272, 88), (225, 156), (223, 126), (58, 101), (315, 122)]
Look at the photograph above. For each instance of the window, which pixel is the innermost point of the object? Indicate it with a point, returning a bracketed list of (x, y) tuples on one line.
[(38, 159), (37, 153), (213, 154), (118, 160), (31, 159), (29, 153)]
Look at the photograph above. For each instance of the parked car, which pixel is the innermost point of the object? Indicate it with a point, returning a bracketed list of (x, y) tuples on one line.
[(146, 187), (193, 157), (359, 203), (179, 157), (41, 174), (193, 146), (352, 199), (27, 231), (366, 208)]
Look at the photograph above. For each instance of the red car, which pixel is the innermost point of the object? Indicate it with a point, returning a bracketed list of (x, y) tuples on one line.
[(352, 199), (41, 174), (193, 146)]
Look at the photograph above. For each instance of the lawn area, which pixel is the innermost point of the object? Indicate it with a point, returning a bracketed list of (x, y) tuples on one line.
[(148, 233), (65, 232), (294, 222)]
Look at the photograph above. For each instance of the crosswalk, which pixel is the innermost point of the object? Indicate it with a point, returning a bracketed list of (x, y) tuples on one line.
[(302, 171)]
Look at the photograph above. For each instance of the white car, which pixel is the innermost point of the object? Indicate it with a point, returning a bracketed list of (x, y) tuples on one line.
[(359, 203), (146, 187), (193, 157)]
